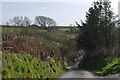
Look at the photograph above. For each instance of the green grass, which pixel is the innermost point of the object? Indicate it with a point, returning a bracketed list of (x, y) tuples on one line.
[(64, 29), (42, 30), (26, 66), (29, 29), (112, 67), (60, 45), (68, 29), (11, 29)]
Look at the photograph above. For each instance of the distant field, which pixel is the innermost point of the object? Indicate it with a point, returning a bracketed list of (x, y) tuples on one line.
[(67, 29), (64, 29), (42, 30), (14, 29), (11, 30)]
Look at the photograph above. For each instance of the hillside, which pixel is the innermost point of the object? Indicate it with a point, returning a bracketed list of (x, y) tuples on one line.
[(34, 51)]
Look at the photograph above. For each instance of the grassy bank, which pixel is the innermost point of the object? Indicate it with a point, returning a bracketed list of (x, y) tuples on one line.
[(112, 67), (107, 66), (26, 66)]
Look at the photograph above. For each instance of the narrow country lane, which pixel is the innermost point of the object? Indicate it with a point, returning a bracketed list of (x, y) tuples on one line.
[(78, 73)]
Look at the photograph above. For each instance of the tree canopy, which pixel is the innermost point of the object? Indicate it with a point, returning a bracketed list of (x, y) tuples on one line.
[(97, 35), (44, 21), (19, 21)]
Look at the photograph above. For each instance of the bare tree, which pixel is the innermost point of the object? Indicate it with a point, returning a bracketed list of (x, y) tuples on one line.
[(16, 21), (19, 21), (27, 21), (44, 21)]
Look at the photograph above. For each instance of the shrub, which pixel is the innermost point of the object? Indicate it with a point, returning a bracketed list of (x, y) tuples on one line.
[(30, 45)]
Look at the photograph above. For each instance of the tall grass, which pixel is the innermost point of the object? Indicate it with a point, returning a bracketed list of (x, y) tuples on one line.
[(112, 67), (26, 66)]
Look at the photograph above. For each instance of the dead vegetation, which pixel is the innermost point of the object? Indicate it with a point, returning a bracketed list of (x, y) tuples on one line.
[(13, 43)]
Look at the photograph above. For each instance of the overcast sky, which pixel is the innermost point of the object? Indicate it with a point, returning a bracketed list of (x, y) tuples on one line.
[(63, 12)]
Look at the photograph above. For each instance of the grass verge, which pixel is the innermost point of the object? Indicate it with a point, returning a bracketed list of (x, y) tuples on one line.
[(103, 67), (26, 66), (112, 67)]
